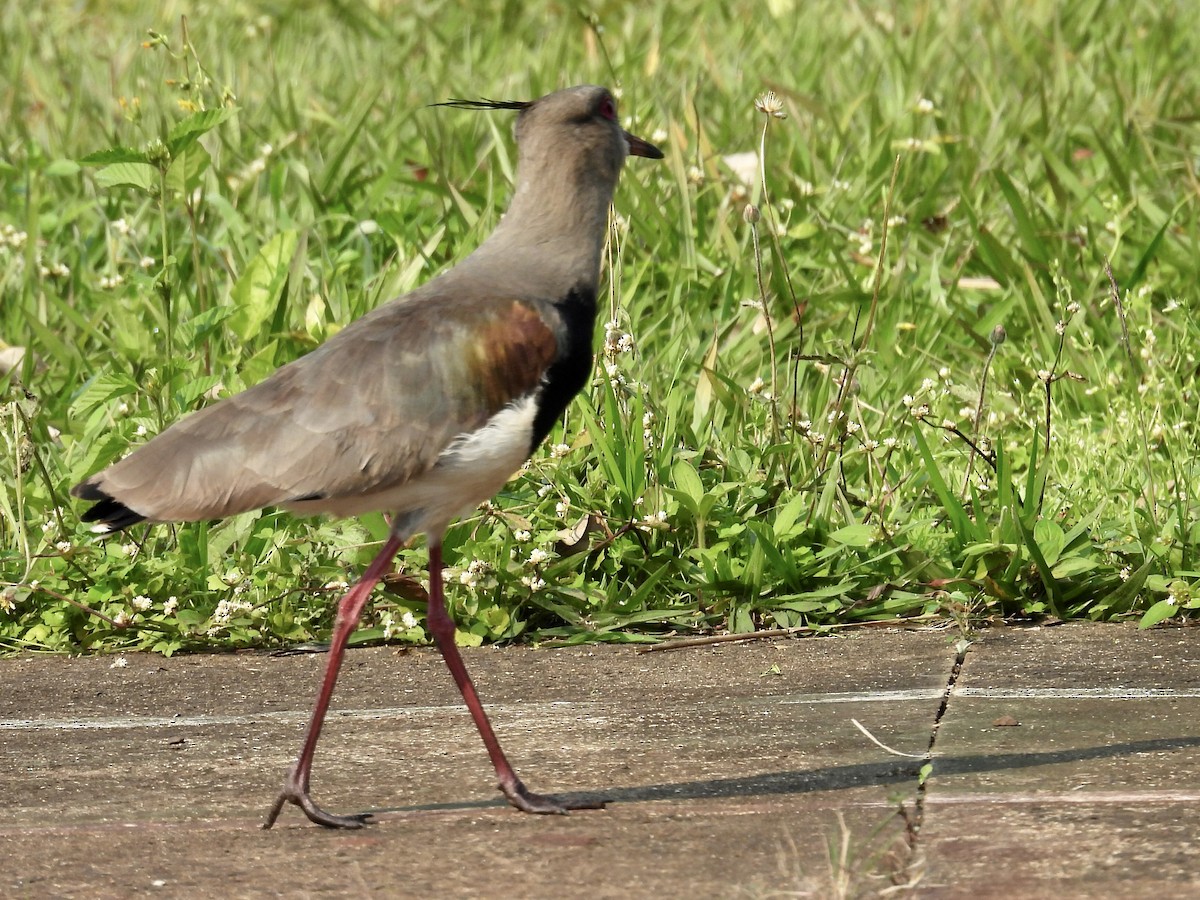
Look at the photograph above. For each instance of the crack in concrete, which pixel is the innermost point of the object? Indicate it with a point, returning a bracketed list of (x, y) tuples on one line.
[(911, 867)]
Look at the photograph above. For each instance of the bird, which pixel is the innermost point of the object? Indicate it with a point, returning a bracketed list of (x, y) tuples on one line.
[(421, 409)]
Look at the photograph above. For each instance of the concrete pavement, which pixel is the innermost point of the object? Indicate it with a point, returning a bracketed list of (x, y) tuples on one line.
[(1065, 764)]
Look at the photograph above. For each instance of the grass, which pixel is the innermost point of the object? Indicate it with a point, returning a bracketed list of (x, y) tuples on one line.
[(902, 386)]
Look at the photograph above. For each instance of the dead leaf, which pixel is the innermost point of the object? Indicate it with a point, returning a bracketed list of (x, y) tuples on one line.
[(405, 586)]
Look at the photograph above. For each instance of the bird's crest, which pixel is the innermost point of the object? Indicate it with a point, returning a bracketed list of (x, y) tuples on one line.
[(484, 103)]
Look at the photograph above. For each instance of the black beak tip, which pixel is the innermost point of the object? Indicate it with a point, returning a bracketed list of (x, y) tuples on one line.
[(638, 147)]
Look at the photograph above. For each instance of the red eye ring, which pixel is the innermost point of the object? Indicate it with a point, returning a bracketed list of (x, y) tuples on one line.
[(608, 109)]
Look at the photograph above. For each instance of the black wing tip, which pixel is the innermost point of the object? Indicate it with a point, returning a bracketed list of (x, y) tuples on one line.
[(484, 103), (108, 514)]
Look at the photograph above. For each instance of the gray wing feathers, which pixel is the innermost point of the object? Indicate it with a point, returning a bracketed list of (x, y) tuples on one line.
[(371, 408)]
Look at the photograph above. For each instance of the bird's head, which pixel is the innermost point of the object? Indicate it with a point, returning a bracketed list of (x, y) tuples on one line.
[(576, 127)]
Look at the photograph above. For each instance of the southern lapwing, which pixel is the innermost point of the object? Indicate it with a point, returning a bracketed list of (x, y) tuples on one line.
[(423, 408)]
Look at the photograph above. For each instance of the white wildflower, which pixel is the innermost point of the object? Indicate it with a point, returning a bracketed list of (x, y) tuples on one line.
[(141, 603), (119, 663), (533, 582)]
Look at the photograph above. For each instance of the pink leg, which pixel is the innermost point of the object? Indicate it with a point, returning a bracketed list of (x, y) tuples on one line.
[(295, 784), (442, 626)]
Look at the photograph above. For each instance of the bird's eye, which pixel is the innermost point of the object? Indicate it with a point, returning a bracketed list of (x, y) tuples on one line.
[(608, 109)]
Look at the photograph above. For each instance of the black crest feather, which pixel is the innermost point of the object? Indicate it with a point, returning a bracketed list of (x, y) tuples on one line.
[(457, 103)]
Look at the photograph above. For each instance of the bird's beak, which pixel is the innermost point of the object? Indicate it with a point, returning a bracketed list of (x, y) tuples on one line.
[(638, 147)]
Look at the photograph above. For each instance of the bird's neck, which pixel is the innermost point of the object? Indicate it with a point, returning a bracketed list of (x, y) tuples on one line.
[(554, 229)]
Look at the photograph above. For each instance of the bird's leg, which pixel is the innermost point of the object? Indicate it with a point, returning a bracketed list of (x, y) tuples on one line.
[(442, 626), (295, 784)]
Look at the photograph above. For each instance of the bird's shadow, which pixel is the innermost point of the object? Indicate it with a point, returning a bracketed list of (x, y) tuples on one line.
[(832, 778)]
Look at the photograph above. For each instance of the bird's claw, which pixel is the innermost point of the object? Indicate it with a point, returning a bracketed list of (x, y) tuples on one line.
[(299, 796), (527, 801)]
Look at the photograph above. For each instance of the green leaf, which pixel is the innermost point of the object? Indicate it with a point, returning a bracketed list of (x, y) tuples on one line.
[(467, 639), (787, 517), (186, 169), (113, 155), (1073, 565), (1151, 251), (61, 168), (261, 283), (187, 131), (1044, 570), (687, 482), (1157, 613), (132, 174), (100, 389), (1050, 539), (1031, 242), (964, 529), (854, 536), (1124, 594), (802, 231)]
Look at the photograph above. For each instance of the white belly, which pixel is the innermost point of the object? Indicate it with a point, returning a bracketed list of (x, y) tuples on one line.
[(470, 470)]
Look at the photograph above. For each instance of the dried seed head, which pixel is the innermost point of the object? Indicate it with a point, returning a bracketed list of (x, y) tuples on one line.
[(770, 104)]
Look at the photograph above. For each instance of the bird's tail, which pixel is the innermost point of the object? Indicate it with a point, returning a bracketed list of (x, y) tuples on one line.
[(108, 514)]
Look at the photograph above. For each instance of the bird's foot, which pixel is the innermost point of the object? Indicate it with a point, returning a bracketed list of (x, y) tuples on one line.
[(527, 801), (296, 793)]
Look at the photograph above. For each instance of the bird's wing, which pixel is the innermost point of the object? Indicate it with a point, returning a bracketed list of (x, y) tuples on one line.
[(370, 409)]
